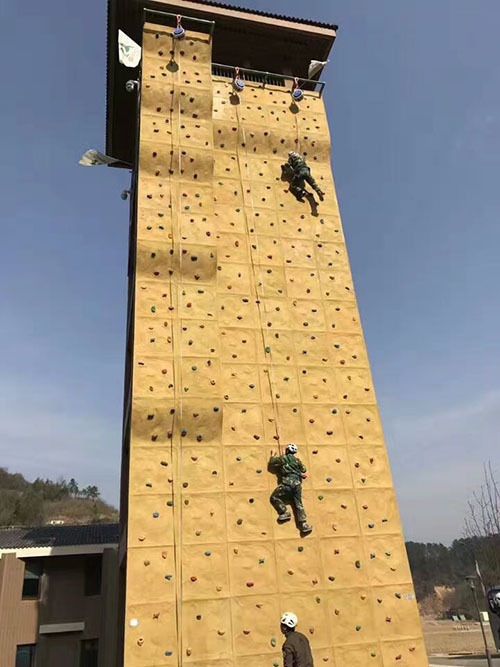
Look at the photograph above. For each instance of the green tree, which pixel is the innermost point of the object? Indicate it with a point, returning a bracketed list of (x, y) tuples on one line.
[(29, 509), (73, 487)]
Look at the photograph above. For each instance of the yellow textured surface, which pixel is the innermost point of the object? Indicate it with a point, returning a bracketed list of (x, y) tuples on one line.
[(247, 336)]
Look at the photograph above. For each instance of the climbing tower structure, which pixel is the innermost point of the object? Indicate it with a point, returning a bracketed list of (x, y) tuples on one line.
[(244, 335)]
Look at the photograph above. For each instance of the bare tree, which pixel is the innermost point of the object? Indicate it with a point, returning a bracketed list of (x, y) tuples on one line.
[(482, 526)]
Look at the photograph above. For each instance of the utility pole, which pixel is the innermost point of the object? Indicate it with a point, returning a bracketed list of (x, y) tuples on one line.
[(471, 579)]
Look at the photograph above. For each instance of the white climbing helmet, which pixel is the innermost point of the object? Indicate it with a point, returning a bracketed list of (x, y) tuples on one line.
[(291, 448), (289, 619), (293, 154)]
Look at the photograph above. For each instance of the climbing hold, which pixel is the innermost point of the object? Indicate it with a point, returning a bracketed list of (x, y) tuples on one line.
[(358, 564), (193, 578), (273, 641), (249, 584), (208, 553), (134, 622), (155, 515)]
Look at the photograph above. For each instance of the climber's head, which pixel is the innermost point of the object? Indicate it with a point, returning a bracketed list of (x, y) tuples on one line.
[(293, 154), (288, 622), (291, 448)]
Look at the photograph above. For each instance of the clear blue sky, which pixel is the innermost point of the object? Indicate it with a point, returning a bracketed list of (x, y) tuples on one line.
[(414, 102)]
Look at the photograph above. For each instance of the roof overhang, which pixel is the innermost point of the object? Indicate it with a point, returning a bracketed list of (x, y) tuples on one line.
[(73, 550), (252, 39)]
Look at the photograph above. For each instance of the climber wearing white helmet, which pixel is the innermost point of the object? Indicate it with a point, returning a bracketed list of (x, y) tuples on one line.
[(296, 649), (290, 472)]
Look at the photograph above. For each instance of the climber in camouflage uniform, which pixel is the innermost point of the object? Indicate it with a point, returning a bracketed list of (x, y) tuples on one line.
[(290, 471), (300, 173)]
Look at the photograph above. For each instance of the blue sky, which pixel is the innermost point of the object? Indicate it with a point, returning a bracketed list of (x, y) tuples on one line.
[(414, 103)]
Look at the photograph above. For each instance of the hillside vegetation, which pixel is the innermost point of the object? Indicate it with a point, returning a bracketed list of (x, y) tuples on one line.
[(24, 503)]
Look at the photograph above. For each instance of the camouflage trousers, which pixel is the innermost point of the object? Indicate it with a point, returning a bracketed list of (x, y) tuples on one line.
[(290, 494), (298, 182)]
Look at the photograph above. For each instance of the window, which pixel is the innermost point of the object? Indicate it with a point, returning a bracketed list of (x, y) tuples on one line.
[(93, 572), (33, 570), (25, 655), (89, 648)]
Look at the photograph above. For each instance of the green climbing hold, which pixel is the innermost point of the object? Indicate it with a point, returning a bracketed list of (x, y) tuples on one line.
[(300, 549), (273, 641), (320, 497), (170, 503), (194, 368), (268, 350), (208, 553), (153, 309), (261, 561), (358, 628)]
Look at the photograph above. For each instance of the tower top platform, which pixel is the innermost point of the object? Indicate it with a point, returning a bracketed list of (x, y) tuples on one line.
[(245, 38)]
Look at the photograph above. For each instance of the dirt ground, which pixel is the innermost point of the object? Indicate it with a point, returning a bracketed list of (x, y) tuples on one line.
[(451, 638)]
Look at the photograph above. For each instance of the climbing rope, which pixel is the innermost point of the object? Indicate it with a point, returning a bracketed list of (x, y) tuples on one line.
[(270, 370)]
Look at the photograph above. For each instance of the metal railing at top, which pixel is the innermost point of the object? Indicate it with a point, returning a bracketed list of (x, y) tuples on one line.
[(270, 78), (188, 19)]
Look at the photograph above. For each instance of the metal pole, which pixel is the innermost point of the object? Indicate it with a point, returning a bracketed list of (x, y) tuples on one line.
[(486, 648)]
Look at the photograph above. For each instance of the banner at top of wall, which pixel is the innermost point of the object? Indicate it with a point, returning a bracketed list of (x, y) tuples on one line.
[(129, 53)]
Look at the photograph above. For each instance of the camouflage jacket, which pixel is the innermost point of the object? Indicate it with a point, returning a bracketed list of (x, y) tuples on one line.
[(288, 468)]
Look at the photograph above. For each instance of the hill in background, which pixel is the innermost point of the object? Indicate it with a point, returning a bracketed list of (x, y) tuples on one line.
[(24, 503)]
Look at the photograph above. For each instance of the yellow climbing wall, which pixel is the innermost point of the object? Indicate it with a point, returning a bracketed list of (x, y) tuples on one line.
[(247, 336)]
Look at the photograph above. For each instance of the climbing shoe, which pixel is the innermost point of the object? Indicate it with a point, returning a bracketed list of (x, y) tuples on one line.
[(283, 518), (305, 529)]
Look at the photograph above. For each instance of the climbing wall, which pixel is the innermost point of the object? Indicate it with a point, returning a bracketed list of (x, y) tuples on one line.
[(247, 336)]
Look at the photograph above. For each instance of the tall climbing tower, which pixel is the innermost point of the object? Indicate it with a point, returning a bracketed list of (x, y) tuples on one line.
[(244, 335)]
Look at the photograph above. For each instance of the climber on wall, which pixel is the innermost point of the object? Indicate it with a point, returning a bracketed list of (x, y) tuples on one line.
[(296, 649), (300, 173), (290, 471)]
